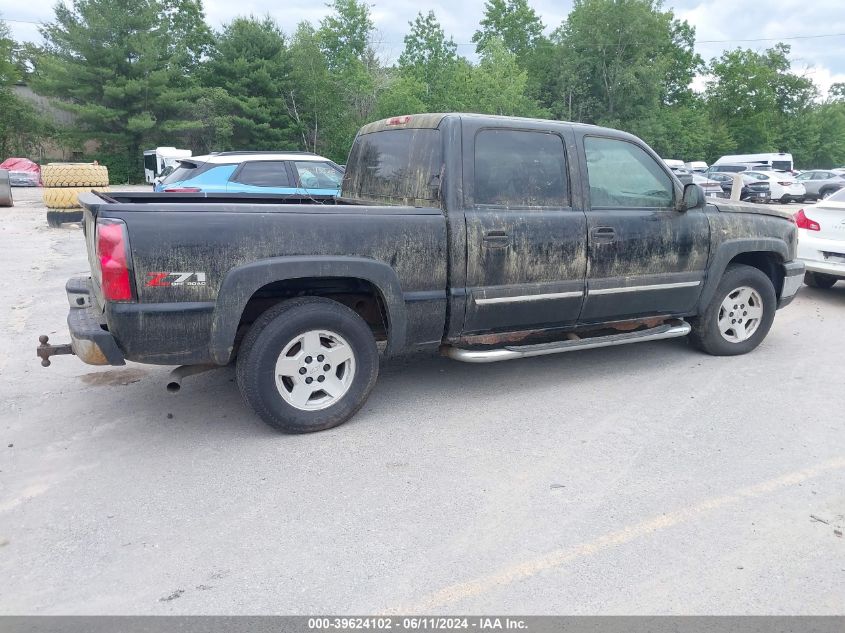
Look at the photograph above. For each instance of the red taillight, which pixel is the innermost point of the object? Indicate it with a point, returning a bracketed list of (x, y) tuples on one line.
[(399, 120), (111, 252), (182, 190), (804, 222)]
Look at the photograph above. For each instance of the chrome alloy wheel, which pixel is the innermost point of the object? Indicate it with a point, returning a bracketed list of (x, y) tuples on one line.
[(740, 314), (315, 370)]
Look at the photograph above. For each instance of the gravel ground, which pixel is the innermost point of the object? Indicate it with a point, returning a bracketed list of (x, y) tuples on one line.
[(639, 479)]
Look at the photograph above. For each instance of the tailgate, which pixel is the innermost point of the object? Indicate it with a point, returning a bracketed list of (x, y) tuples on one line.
[(90, 207)]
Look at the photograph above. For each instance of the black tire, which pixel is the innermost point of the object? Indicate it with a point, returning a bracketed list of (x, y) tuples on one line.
[(820, 280), (57, 218), (825, 193), (706, 335), (275, 329)]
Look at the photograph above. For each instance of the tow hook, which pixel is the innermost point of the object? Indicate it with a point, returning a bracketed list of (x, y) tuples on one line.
[(45, 350)]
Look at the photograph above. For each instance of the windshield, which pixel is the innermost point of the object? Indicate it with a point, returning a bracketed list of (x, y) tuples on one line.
[(395, 167)]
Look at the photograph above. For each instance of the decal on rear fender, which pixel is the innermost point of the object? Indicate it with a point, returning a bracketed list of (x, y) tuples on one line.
[(168, 279)]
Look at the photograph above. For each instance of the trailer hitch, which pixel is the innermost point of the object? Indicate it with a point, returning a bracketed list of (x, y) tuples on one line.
[(45, 350)]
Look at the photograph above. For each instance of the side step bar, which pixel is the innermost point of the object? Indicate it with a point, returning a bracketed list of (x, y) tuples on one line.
[(671, 329)]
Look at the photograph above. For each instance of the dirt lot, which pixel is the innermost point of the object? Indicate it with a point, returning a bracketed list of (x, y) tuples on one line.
[(640, 479)]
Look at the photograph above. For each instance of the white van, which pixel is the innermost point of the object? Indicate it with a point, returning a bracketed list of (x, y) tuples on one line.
[(776, 161), (158, 159)]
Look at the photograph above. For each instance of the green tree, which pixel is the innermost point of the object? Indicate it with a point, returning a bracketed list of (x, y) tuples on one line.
[(621, 59), (312, 102), (21, 128), (514, 22), (345, 39), (761, 102), (249, 62), (9, 69), (122, 69), (430, 61), (498, 85)]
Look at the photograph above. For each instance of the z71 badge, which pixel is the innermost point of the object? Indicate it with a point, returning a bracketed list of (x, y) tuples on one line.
[(165, 280)]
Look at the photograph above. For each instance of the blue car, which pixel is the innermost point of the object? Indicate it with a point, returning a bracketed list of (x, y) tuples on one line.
[(301, 173)]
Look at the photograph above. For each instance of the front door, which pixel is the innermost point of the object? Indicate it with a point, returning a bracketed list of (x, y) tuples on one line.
[(645, 257), (526, 246)]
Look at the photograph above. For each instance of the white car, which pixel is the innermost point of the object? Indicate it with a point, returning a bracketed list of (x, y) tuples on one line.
[(782, 185), (821, 240), (711, 188)]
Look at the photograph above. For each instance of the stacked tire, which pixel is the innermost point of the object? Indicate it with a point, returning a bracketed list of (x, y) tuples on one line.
[(63, 182)]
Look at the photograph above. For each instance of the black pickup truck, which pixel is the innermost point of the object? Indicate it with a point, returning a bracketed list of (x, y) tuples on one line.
[(489, 238)]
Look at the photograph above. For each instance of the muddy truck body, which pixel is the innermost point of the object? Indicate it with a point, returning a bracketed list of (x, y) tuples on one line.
[(489, 238)]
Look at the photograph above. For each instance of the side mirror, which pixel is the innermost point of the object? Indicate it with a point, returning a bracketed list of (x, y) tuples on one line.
[(693, 197)]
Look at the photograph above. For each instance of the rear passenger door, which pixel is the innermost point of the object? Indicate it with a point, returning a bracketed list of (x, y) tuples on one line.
[(526, 245), (645, 257), (262, 176)]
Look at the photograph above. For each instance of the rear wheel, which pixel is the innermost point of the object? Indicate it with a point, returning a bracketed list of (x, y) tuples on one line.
[(820, 280), (740, 314), (824, 195), (307, 364)]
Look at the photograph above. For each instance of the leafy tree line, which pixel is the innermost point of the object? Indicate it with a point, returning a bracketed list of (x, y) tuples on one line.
[(152, 72)]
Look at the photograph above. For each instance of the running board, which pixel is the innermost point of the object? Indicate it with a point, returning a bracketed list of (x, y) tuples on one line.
[(671, 329)]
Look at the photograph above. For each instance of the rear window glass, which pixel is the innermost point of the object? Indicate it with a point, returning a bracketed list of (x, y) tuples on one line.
[(182, 172), (519, 169), (395, 167), (731, 168), (785, 165), (317, 175)]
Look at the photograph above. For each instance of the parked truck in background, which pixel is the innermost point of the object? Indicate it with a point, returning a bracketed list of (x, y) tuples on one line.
[(487, 237)]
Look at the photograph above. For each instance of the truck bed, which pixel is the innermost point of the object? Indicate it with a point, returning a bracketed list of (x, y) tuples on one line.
[(232, 247)]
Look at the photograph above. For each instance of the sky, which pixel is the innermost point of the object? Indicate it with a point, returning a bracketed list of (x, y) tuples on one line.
[(719, 25)]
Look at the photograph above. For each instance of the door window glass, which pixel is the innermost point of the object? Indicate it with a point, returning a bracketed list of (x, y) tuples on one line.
[(263, 174), (520, 169), (623, 175)]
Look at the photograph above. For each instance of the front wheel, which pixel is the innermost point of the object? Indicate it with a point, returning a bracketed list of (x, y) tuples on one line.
[(740, 314), (307, 364)]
